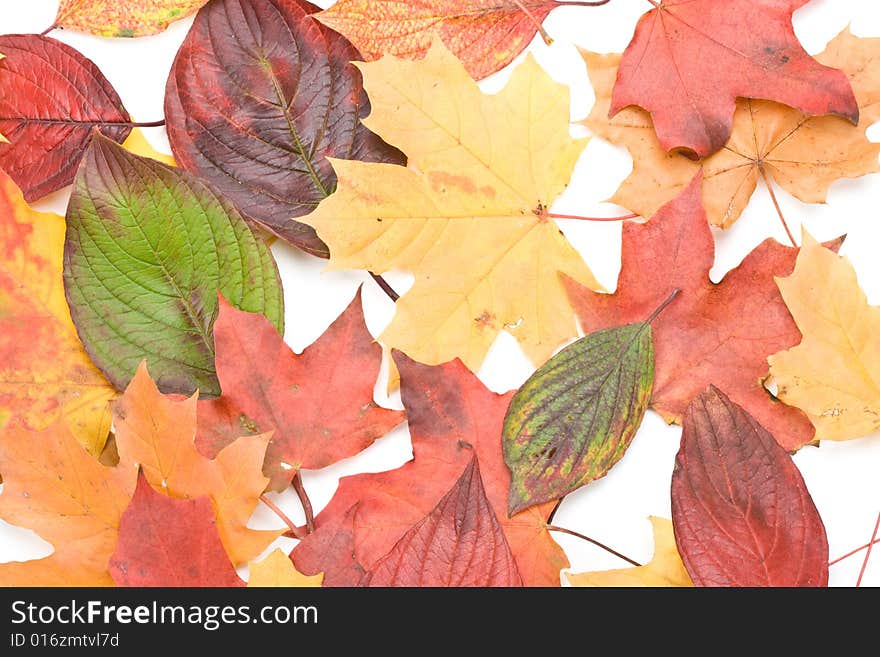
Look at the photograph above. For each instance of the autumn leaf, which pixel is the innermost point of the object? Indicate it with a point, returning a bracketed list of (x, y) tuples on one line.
[(147, 249), (132, 18), (834, 373), (54, 487), (157, 434), (689, 60), (770, 143), (51, 99), (334, 550), (468, 217), (319, 404), (277, 570), (452, 416), (459, 543), (169, 542), (575, 417), (259, 96), (741, 512), (46, 376), (665, 569), (710, 333), (486, 35)]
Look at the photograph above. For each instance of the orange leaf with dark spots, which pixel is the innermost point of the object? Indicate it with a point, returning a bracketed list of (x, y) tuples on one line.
[(318, 404)]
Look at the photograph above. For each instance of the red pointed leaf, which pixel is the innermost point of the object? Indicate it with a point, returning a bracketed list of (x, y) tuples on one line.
[(741, 512), (459, 543), (449, 410), (51, 98), (260, 94), (319, 404), (170, 542), (332, 552), (689, 60), (711, 333)]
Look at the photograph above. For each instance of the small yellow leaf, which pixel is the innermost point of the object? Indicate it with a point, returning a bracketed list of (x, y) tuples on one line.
[(277, 570), (665, 569), (833, 375)]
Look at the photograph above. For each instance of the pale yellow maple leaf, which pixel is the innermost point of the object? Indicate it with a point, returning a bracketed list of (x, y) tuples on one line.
[(770, 142), (468, 215), (277, 570), (664, 569), (833, 375)]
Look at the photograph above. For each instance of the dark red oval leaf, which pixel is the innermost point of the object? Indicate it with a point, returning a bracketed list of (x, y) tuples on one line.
[(741, 512), (51, 98), (169, 542), (459, 543), (260, 94)]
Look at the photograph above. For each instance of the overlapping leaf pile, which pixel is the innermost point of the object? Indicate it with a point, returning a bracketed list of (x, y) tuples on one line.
[(148, 402)]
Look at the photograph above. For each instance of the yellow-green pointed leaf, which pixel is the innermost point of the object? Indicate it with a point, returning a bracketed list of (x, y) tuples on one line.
[(148, 247), (577, 415)]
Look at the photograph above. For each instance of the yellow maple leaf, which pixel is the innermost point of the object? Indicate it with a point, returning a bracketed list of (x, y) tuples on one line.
[(131, 18), (278, 570), (45, 373), (54, 487), (665, 569), (833, 375), (770, 142), (157, 433), (468, 215)]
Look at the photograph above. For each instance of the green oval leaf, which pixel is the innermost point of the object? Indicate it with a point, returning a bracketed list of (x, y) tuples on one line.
[(148, 247), (576, 416)]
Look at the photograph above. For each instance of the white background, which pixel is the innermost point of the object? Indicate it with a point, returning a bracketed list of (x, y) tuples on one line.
[(843, 478)]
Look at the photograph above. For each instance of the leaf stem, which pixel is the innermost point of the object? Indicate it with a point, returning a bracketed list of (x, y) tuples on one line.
[(663, 305), (868, 553), (547, 38), (305, 501), (852, 552), (295, 531), (96, 124), (49, 29), (386, 288), (554, 528), (551, 215), (594, 3), (773, 198)]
